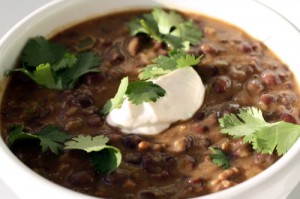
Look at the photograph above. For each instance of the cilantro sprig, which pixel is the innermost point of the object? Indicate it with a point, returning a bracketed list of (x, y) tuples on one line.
[(265, 137), (169, 27), (146, 91), (219, 158), (136, 91), (105, 158), (164, 64), (178, 33), (52, 66), (50, 137)]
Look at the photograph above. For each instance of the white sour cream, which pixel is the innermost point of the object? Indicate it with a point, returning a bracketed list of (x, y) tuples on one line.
[(184, 95)]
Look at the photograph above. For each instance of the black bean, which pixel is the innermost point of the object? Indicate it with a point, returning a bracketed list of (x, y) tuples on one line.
[(286, 97), (84, 100), (196, 180), (199, 115), (230, 107), (186, 163), (91, 110), (198, 141), (270, 78), (254, 86), (222, 84), (150, 165), (131, 140), (247, 48), (117, 177), (266, 98), (93, 78), (208, 49), (95, 121), (287, 118), (157, 161), (199, 128), (82, 178), (134, 158), (260, 158)]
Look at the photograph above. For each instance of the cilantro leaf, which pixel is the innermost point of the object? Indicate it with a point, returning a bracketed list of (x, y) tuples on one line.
[(281, 137), (18, 132), (67, 61), (50, 137), (245, 123), (168, 27), (136, 91), (42, 75), (116, 101), (50, 65), (149, 27), (86, 63), (136, 27), (141, 91), (166, 21), (87, 143), (106, 159), (219, 158), (163, 64), (187, 60), (265, 137), (188, 32), (39, 51)]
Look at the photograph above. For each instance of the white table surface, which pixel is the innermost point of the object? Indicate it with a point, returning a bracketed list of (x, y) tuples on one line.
[(11, 11)]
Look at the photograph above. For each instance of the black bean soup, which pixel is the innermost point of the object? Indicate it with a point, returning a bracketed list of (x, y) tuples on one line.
[(236, 70)]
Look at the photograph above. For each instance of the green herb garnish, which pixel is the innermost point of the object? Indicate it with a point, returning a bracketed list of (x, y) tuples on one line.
[(168, 27), (52, 66), (117, 100), (265, 137), (50, 137), (144, 91), (105, 158), (163, 65), (136, 91), (219, 158)]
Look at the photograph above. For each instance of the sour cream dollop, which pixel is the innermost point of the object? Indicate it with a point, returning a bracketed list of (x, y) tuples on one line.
[(184, 95)]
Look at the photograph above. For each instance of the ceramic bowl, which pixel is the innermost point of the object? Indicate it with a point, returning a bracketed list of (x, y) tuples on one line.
[(259, 21)]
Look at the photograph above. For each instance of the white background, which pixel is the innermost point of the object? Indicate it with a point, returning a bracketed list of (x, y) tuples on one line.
[(11, 11)]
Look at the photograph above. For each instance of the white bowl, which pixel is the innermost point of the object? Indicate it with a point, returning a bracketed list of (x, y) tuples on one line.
[(259, 21)]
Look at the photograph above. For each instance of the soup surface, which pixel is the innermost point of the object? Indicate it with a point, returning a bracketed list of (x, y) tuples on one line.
[(237, 71)]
